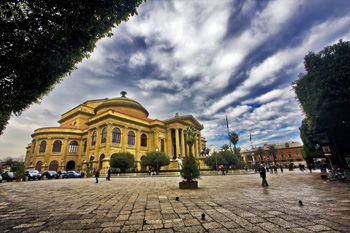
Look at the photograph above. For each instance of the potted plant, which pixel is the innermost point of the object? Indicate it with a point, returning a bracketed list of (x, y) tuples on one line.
[(20, 172), (190, 169)]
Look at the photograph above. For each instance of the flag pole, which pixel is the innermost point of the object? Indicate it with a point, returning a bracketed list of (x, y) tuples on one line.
[(228, 132), (251, 141)]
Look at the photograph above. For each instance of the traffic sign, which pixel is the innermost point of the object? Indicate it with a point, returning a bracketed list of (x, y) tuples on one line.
[(328, 154), (326, 149)]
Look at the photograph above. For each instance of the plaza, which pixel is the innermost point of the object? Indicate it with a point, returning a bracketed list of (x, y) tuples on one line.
[(231, 203)]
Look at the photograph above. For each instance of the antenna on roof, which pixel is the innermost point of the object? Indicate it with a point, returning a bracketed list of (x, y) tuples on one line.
[(123, 93)]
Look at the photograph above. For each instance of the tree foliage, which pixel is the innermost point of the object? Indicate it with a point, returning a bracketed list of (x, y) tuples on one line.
[(260, 152), (227, 158), (324, 95), (156, 159), (42, 40), (225, 147), (272, 151), (190, 169), (234, 138), (122, 160), (190, 136)]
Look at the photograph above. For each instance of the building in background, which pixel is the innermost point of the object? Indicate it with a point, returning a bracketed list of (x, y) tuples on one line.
[(96, 130), (286, 153)]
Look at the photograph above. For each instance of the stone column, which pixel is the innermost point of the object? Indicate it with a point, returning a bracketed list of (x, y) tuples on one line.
[(177, 141), (156, 140), (98, 143), (183, 144), (138, 144), (169, 149), (196, 147), (200, 143), (48, 150), (64, 151), (124, 138), (109, 140)]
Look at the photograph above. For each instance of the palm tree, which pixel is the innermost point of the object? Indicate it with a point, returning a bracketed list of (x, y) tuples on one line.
[(260, 151), (272, 151), (225, 147), (233, 137), (190, 136)]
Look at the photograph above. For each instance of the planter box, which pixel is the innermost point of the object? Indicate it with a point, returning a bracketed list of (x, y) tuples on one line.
[(188, 185), (18, 179)]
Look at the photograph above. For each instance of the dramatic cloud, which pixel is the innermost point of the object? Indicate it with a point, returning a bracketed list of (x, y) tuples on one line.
[(211, 59)]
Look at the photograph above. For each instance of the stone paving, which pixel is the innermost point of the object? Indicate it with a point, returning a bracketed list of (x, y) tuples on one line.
[(231, 203)]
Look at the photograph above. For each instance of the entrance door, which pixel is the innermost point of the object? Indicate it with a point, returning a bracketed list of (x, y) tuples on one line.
[(70, 165)]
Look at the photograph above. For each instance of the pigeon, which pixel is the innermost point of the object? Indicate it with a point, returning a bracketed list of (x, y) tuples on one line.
[(177, 198), (203, 216), (301, 203)]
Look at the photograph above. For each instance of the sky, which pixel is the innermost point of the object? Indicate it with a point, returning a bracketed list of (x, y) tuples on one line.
[(209, 59)]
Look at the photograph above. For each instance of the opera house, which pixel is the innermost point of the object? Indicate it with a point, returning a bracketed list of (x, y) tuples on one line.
[(96, 130)]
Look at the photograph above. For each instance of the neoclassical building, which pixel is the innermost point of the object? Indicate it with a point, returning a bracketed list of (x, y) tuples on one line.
[(99, 129)]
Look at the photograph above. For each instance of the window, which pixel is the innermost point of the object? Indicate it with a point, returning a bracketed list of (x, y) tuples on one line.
[(104, 135), (116, 135), (85, 144), (162, 145), (131, 138), (73, 147), (143, 140), (282, 156), (290, 155), (57, 146), (42, 147), (297, 154), (93, 141)]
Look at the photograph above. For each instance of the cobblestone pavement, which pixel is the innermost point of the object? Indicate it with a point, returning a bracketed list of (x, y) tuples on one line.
[(231, 203)]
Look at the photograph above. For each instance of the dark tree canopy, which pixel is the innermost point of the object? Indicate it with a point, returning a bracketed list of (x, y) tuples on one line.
[(324, 95), (122, 160), (155, 159), (42, 40)]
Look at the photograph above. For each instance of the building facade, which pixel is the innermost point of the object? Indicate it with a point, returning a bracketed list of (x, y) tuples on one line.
[(93, 132), (288, 152)]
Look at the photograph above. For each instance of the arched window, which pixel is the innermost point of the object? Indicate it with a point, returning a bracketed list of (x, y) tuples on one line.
[(38, 165), (93, 141), (131, 138), (42, 147), (53, 166), (73, 147), (143, 140), (85, 144), (101, 161), (116, 135), (57, 146), (104, 135)]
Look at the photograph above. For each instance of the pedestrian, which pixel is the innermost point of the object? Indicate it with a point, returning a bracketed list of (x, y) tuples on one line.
[(223, 170), (109, 174), (281, 167), (97, 174), (262, 172), (275, 169), (271, 169)]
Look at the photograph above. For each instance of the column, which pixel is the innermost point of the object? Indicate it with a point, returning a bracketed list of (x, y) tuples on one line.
[(183, 144), (177, 141), (200, 143), (156, 140), (124, 138), (137, 144), (196, 147), (88, 146), (98, 143), (64, 150), (169, 150), (109, 139), (48, 150)]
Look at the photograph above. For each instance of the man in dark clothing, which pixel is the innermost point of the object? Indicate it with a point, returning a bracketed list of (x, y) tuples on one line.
[(262, 172), (97, 174), (109, 174)]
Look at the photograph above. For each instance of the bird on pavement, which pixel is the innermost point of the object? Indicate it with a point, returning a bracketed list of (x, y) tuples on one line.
[(203, 216), (301, 203)]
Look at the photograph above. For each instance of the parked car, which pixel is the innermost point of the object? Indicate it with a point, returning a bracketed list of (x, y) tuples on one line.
[(8, 176), (50, 174), (33, 174), (63, 173), (74, 174), (0, 178)]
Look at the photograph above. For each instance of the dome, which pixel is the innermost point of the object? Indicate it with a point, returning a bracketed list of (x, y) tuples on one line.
[(122, 103)]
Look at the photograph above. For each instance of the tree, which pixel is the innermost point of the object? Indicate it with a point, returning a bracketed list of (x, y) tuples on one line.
[(225, 147), (122, 160), (234, 138), (260, 151), (42, 40), (156, 159), (324, 95), (230, 159), (190, 169), (190, 136), (215, 160), (272, 151), (249, 158)]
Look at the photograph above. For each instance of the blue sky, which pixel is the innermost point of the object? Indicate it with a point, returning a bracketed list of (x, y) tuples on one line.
[(210, 59)]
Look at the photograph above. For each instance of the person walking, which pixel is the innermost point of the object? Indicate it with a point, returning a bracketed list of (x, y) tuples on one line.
[(281, 167), (223, 170), (97, 174), (262, 172), (109, 174)]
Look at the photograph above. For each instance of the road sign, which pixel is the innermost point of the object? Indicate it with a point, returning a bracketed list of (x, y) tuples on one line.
[(326, 149), (328, 154)]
